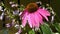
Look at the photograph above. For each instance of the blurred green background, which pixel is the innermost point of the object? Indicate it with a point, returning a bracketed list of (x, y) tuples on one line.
[(55, 4)]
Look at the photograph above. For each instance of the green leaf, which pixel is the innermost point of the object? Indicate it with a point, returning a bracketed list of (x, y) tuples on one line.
[(57, 26), (22, 8), (31, 32), (46, 29), (40, 31)]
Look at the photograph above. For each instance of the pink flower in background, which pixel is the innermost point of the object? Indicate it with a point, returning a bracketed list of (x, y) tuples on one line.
[(8, 25), (34, 16), (19, 31)]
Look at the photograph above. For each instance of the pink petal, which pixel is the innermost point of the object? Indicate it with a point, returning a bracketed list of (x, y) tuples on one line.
[(24, 13), (44, 13), (37, 20), (40, 18), (24, 19), (30, 20)]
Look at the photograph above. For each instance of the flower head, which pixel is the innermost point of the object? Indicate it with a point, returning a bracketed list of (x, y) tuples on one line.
[(32, 7), (34, 16)]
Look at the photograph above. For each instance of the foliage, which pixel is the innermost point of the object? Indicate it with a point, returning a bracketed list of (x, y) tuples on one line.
[(46, 28)]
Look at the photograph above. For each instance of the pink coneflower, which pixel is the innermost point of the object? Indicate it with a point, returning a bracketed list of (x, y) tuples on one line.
[(33, 15)]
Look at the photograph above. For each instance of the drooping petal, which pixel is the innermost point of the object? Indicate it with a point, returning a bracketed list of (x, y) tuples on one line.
[(44, 13), (30, 20), (24, 19), (36, 19), (40, 18)]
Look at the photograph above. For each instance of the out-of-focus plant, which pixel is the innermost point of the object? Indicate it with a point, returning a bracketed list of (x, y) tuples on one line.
[(22, 7), (10, 16)]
